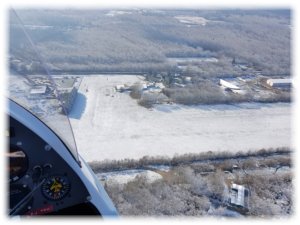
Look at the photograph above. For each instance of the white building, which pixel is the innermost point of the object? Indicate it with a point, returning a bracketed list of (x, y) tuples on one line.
[(229, 85), (38, 90), (120, 87), (280, 83), (238, 197)]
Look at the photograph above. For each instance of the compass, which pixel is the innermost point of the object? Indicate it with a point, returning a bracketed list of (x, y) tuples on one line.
[(56, 187)]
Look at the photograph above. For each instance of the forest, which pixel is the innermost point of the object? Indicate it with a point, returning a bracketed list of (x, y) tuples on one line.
[(144, 40), (196, 185)]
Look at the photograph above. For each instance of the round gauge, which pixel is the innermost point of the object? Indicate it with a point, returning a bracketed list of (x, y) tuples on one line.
[(56, 187), (18, 163)]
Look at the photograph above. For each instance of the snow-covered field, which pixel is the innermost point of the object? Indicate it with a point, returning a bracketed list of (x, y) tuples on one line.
[(111, 125), (192, 20), (123, 177)]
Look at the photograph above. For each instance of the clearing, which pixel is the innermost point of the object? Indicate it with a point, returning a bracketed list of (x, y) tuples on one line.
[(111, 125)]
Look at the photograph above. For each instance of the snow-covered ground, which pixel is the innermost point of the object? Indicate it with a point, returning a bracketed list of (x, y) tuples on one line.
[(192, 20), (125, 176), (111, 125)]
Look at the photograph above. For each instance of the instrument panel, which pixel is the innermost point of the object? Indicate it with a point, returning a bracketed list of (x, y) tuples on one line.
[(40, 180)]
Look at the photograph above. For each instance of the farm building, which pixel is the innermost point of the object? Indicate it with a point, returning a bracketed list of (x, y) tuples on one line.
[(280, 83)]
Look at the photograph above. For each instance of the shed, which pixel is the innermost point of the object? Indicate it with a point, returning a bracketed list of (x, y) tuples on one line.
[(238, 195)]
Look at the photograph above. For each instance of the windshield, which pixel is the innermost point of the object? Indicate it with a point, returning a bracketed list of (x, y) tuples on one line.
[(190, 104), (32, 85)]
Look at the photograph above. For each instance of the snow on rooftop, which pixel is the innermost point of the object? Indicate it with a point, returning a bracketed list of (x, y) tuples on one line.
[(280, 81), (238, 194), (38, 90), (228, 85)]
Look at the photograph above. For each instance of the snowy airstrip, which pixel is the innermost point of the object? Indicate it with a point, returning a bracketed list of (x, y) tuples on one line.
[(111, 125)]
